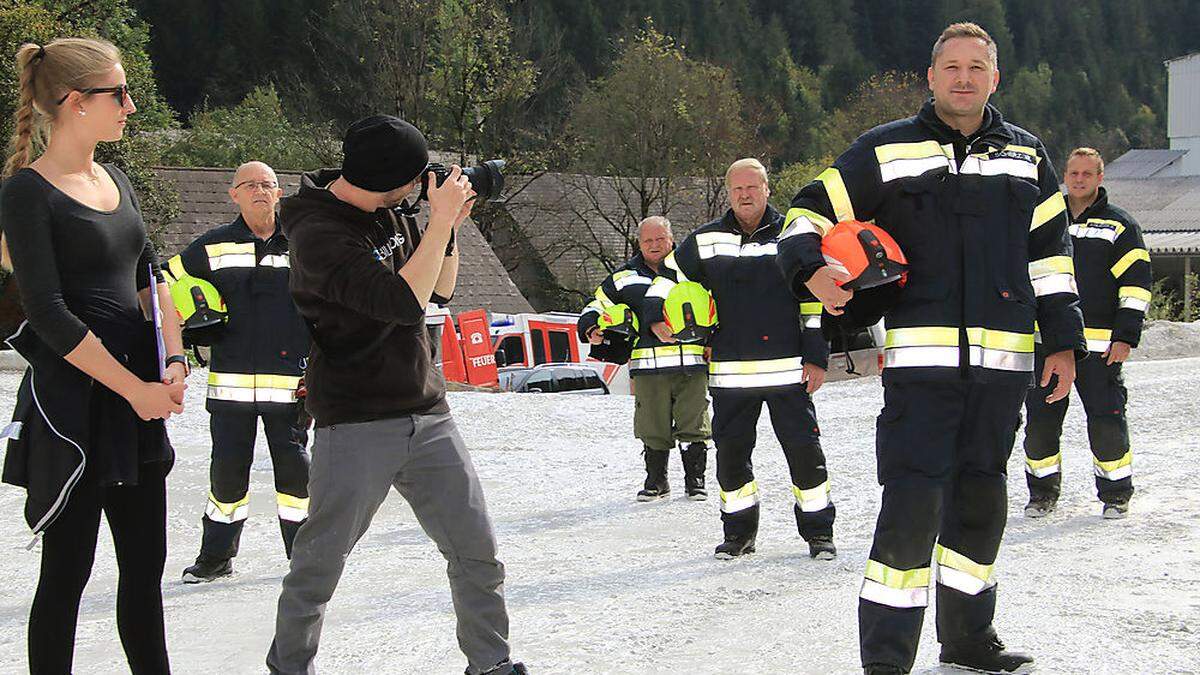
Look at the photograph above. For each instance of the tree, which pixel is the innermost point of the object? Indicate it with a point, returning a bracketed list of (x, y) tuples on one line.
[(255, 129), (474, 73), (882, 98), (41, 21), (444, 65), (656, 122)]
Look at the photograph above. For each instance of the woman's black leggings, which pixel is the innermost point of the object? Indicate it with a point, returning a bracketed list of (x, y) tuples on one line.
[(137, 516)]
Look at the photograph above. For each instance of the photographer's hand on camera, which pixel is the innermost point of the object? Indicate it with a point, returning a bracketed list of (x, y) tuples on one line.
[(430, 270), (448, 201)]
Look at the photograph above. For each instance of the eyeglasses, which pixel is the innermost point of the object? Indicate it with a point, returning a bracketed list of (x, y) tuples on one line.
[(120, 92), (267, 185)]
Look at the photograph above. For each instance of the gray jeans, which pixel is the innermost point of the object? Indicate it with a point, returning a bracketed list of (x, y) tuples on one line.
[(353, 466)]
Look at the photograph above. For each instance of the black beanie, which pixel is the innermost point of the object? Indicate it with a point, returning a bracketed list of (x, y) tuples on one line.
[(381, 153)]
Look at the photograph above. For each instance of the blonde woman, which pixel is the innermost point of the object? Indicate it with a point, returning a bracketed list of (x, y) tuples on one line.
[(88, 433)]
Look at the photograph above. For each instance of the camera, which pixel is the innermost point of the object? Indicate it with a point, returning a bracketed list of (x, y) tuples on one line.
[(486, 179)]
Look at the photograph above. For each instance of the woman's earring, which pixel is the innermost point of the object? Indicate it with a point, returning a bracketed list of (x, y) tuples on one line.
[(82, 112)]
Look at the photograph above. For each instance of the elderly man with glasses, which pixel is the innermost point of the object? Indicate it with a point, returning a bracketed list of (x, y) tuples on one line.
[(257, 362)]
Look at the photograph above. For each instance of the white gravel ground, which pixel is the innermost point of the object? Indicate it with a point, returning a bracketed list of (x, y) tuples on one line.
[(599, 583)]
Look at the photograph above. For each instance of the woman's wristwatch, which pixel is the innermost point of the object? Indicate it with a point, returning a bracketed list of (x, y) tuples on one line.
[(178, 358)]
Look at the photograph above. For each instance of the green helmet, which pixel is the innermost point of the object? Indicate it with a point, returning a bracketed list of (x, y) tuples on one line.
[(619, 320), (201, 310), (690, 312)]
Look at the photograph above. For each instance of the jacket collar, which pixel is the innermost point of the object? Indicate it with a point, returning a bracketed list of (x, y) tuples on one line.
[(993, 130), (1095, 209), (243, 230), (770, 219)]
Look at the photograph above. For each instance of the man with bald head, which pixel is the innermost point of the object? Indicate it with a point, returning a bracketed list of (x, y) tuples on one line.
[(257, 363), (669, 379)]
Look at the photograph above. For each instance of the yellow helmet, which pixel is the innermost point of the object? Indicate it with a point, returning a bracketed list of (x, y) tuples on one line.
[(690, 312), (201, 310), (620, 320)]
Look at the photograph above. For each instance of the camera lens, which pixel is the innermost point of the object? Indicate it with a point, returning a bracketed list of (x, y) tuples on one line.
[(486, 179)]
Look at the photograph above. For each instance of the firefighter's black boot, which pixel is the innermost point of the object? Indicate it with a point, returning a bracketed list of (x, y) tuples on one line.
[(289, 529), (1116, 508), (695, 459), (882, 669), (207, 569), (1043, 494), (986, 657), (656, 486), (740, 530)]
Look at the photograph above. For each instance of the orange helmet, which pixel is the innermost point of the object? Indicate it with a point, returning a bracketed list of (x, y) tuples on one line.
[(865, 252)]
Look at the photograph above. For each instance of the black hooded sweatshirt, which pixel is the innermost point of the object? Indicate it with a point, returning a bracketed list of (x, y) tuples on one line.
[(370, 356)]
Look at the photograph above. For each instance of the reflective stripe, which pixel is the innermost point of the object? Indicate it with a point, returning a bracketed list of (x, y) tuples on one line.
[(291, 509), (740, 499), (1098, 339), (922, 336), (734, 249), (670, 356), (750, 374), (1040, 468), (948, 336), (1055, 283), (631, 279), (890, 152), (982, 165), (175, 268), (1096, 228), (813, 499), (1055, 274), (810, 314), (1056, 264), (661, 288), (1115, 469), (839, 198), (961, 573), (1128, 260), (710, 238), (1023, 149), (1134, 297), (895, 588), (1047, 210), (246, 388), (229, 254), (274, 261), (670, 262), (603, 299), (906, 160), (802, 221), (937, 346), (223, 512)]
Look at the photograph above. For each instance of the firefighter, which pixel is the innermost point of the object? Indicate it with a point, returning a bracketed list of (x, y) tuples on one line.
[(767, 348), (669, 380), (974, 204), (1113, 269), (257, 364)]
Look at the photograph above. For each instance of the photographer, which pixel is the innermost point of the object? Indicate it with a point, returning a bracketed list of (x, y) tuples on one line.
[(362, 274)]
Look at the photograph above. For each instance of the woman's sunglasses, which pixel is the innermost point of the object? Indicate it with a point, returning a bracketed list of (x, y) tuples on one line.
[(120, 92)]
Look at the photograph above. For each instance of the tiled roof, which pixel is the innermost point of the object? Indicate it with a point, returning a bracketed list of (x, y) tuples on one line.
[(1159, 204), (205, 204), (1173, 243), (1141, 163), (573, 220)]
